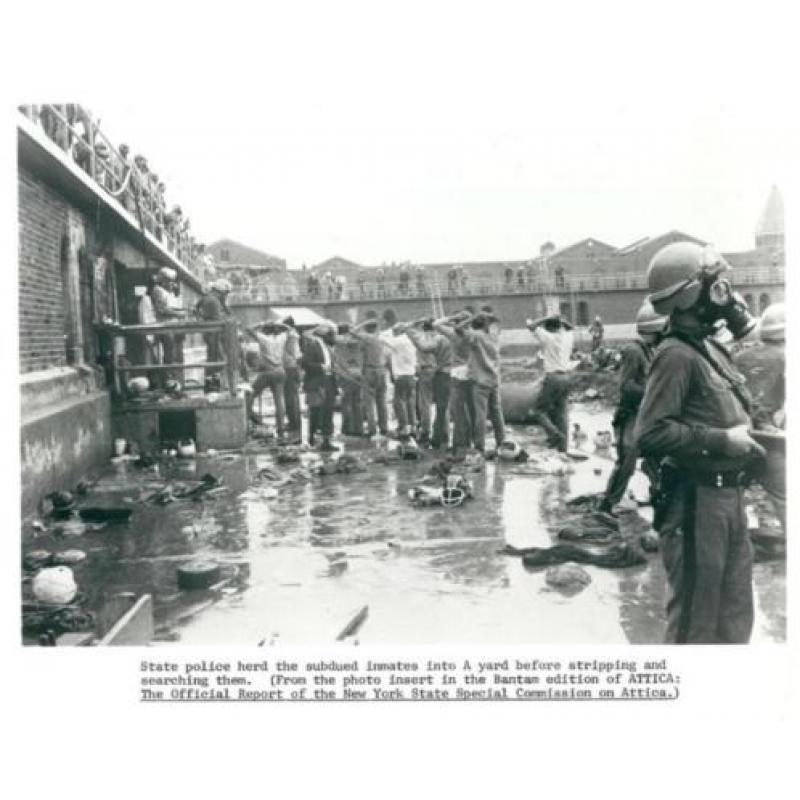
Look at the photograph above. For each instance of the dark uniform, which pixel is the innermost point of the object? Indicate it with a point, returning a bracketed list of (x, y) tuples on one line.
[(700, 515), (635, 366), (210, 308), (764, 369)]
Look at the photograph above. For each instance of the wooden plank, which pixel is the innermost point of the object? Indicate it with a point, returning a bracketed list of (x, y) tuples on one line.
[(135, 627), (354, 624), (176, 366), (164, 327)]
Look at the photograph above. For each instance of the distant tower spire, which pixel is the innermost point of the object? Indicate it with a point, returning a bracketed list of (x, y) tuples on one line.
[(770, 230)]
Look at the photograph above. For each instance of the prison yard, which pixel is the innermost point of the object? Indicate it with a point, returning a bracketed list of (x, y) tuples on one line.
[(297, 560)]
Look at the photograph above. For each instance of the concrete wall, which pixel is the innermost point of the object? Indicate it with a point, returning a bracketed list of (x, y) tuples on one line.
[(61, 443), (221, 425)]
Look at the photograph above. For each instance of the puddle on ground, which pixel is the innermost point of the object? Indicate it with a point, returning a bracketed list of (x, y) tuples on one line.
[(298, 565)]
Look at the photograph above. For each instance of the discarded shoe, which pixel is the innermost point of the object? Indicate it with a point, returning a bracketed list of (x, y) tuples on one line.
[(105, 514), (347, 464), (66, 558), (509, 451), (63, 503), (36, 560), (569, 578), (409, 450)]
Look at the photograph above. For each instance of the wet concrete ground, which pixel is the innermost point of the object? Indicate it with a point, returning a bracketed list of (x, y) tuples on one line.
[(301, 563)]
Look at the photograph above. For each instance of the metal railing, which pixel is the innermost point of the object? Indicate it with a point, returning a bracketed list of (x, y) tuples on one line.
[(78, 134), (119, 342), (383, 290)]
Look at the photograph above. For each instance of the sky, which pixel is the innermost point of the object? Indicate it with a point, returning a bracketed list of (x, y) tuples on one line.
[(464, 137)]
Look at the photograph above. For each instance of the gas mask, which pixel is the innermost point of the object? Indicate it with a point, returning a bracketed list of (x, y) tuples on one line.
[(719, 301)]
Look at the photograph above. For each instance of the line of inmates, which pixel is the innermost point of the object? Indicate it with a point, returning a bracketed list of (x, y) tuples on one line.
[(444, 373)]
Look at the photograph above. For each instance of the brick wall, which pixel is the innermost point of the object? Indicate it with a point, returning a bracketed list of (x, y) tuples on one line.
[(42, 224)]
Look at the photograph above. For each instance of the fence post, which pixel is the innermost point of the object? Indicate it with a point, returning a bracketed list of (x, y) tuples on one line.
[(92, 154), (231, 345)]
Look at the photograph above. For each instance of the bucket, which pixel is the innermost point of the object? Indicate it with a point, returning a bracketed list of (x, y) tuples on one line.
[(187, 449)]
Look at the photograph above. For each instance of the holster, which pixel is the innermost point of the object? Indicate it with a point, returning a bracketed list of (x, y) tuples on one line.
[(667, 483)]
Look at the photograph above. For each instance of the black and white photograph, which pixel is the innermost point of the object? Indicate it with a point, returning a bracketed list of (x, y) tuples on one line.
[(371, 354), (225, 443)]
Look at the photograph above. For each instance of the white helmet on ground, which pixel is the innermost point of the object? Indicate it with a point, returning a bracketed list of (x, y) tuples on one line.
[(772, 326)]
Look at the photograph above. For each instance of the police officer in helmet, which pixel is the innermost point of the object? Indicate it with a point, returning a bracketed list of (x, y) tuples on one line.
[(636, 359), (695, 419)]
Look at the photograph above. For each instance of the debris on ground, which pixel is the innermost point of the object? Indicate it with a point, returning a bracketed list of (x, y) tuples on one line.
[(75, 527), (288, 455), (35, 560), (624, 554), (49, 621), (591, 534), (66, 558), (452, 491), (207, 485), (200, 573), (556, 464), (260, 493), (187, 449), (54, 586), (110, 515), (585, 502), (277, 509), (345, 464), (511, 451), (568, 578), (353, 624), (603, 440)]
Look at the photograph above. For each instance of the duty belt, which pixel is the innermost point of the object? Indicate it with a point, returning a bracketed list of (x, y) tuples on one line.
[(720, 480)]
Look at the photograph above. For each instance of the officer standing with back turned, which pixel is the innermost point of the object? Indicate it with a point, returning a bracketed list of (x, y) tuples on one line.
[(695, 418)]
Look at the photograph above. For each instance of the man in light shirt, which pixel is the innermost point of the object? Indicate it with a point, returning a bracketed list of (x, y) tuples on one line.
[(168, 310), (271, 340), (291, 387), (403, 365), (555, 336)]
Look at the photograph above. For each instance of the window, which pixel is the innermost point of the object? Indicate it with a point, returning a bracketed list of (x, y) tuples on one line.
[(583, 312), (763, 302), (748, 299)]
